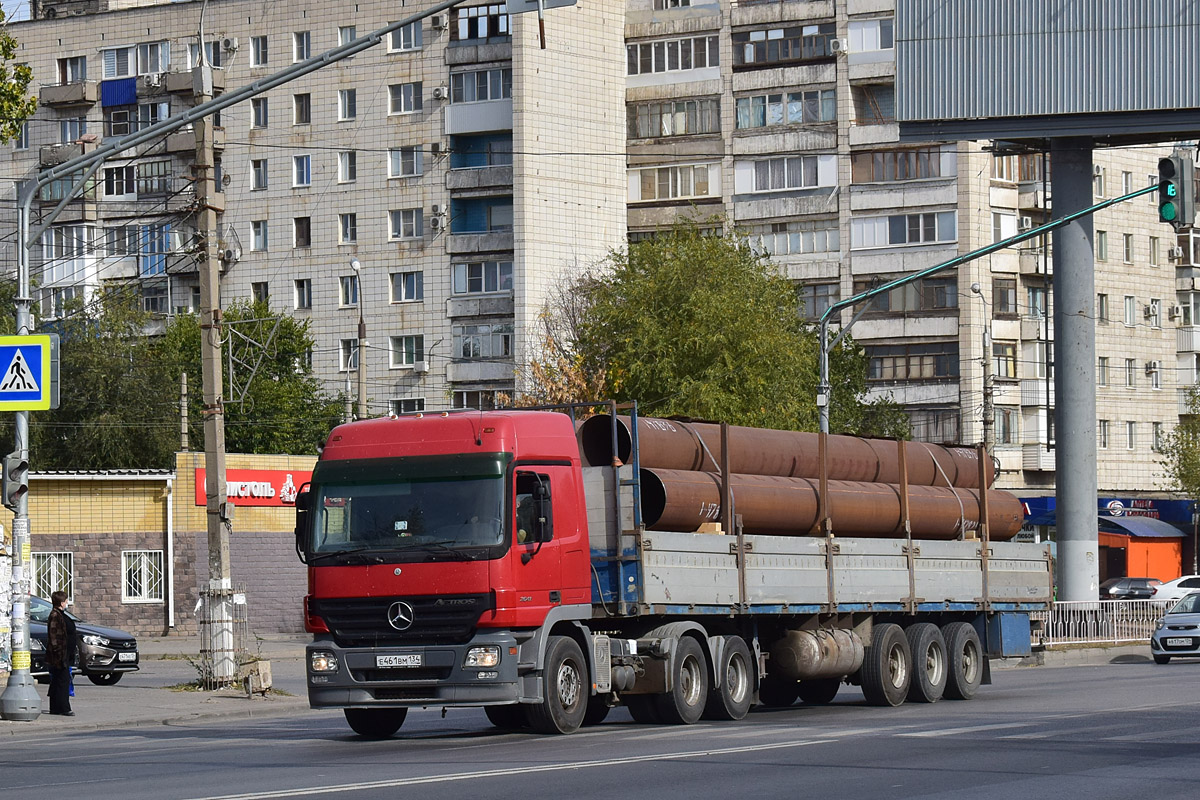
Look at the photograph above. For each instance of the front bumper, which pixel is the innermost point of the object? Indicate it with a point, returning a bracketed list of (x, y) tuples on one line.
[(97, 659), (1175, 643), (440, 680)]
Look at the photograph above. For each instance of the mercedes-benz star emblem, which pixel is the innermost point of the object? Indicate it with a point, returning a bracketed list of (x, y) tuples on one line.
[(400, 615)]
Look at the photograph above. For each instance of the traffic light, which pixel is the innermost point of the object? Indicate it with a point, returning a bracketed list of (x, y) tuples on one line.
[(1177, 191), (15, 480)]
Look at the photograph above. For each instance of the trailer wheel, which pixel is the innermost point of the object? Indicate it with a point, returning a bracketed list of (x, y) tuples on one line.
[(1161, 659), (776, 692), (643, 709), (507, 718), (731, 700), (564, 689), (684, 704), (887, 666), (597, 710), (375, 723), (966, 660), (819, 692), (929, 662)]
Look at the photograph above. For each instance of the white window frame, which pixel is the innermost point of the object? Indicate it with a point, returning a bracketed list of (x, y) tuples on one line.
[(397, 158), (1102, 434), (875, 232), (301, 46), (347, 228), (348, 166), (401, 291), (149, 565), (347, 34), (347, 104), (1130, 311), (301, 171), (259, 52), (405, 351), (406, 223), (404, 98), (405, 39), (260, 112), (348, 291), (302, 100), (259, 176), (153, 58), (302, 294), (55, 565), (1130, 434), (258, 236), (679, 185), (871, 35), (406, 405), (347, 355), (481, 277), (120, 62)]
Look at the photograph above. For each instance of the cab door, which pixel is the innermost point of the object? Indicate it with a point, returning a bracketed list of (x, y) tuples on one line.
[(541, 538)]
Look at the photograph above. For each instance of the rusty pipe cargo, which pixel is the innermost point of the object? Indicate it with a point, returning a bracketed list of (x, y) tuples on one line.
[(669, 444)]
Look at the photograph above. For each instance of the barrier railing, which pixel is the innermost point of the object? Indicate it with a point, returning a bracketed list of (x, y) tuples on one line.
[(1098, 622)]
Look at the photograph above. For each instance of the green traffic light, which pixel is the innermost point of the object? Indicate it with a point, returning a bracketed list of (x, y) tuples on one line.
[(1167, 212)]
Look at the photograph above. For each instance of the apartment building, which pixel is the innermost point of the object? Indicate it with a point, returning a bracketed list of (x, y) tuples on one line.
[(469, 170)]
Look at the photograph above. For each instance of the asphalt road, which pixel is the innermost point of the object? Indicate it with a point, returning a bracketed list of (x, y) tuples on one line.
[(1113, 731)]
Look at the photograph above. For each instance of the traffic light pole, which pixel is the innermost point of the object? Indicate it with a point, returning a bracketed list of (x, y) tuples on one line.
[(20, 701)]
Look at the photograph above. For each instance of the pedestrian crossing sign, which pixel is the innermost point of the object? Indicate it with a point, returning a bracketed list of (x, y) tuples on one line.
[(28, 381)]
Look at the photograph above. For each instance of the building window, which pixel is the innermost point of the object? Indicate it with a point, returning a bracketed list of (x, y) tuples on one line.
[(909, 362), (260, 292), (674, 118), (121, 240), (301, 171), (1098, 174), (71, 129), (806, 107), (1130, 372), (778, 45), (816, 298), (72, 69), (1006, 425), (212, 54), (405, 162), (1102, 307), (1130, 434), (348, 355), (934, 425), (1127, 248), (143, 576), (1156, 436), (406, 405), (258, 112), (348, 291), (1126, 182), (153, 57), (480, 85), (154, 299), (404, 98), (1154, 312), (871, 35), (406, 38), (1155, 370), (347, 34), (482, 276), (22, 140), (1036, 297), (301, 46), (302, 293), (120, 181), (1040, 363), (793, 238), (1102, 434), (405, 223), (258, 173), (53, 572), (1130, 310), (1102, 371), (1004, 359), (153, 247), (481, 399), (347, 166), (886, 166), (1004, 297), (347, 104), (1101, 245), (672, 55), (927, 294), (258, 51), (902, 229), (1154, 262), (407, 350), (347, 228), (483, 341), (119, 62), (258, 235), (675, 183), (154, 177), (789, 172), (408, 287), (301, 109), (301, 231), (479, 22), (874, 104)]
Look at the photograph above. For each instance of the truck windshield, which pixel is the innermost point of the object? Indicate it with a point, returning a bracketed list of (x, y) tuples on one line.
[(410, 510)]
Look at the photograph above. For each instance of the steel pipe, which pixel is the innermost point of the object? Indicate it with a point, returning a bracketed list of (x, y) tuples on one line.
[(682, 500), (669, 444)]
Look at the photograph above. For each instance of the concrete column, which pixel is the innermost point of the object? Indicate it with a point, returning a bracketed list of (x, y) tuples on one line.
[(1075, 372)]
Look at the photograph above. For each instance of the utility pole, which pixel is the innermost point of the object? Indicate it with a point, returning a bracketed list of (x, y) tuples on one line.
[(361, 355), (989, 409), (219, 597)]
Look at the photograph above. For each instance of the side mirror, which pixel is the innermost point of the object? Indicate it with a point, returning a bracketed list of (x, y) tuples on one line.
[(303, 517), (543, 524)]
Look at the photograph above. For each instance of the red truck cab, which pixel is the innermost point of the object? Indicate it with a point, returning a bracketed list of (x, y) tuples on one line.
[(439, 548)]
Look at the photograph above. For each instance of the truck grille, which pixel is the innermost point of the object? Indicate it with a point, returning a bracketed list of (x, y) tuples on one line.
[(363, 622)]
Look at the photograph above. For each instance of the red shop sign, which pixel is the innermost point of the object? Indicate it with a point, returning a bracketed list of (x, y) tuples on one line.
[(257, 487)]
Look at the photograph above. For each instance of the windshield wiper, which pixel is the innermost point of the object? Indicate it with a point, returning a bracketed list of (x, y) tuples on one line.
[(442, 548), (350, 551)]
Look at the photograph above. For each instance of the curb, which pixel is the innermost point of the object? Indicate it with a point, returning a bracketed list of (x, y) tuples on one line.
[(287, 707)]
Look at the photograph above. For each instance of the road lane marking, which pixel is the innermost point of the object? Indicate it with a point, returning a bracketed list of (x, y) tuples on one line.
[(499, 773), (972, 729)]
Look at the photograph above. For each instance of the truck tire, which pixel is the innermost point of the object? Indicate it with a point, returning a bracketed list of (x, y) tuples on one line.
[(777, 692), (507, 718), (375, 723), (564, 688), (684, 704), (597, 710), (731, 700), (965, 659), (819, 692), (887, 666), (105, 678), (929, 660)]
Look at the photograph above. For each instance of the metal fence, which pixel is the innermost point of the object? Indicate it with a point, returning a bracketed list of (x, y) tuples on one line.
[(1098, 622), (224, 636)]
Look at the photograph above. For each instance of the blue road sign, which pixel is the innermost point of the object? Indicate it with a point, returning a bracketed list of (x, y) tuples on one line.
[(26, 376)]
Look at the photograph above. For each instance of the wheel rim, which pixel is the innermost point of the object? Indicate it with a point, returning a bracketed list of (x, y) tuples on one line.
[(737, 679), (897, 667), (970, 662), (935, 665), (690, 681), (569, 685)]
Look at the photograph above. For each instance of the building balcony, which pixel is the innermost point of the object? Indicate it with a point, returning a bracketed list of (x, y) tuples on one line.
[(80, 93), (480, 371), (481, 117), (1036, 392), (184, 82), (1037, 458), (756, 12), (1032, 262), (480, 178), (51, 155), (492, 305), (184, 140), (483, 242), (1187, 339)]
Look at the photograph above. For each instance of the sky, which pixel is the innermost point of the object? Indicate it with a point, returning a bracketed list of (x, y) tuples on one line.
[(15, 9)]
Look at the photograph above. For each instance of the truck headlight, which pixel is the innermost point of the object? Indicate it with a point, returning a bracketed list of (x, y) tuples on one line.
[(322, 661), (94, 640), (482, 657)]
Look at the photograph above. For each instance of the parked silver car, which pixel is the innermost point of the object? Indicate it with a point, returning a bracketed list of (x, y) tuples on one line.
[(1178, 632)]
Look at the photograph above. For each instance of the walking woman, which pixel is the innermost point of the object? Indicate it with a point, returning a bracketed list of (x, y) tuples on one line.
[(60, 654)]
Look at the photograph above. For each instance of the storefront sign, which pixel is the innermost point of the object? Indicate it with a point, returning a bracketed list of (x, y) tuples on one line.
[(257, 487)]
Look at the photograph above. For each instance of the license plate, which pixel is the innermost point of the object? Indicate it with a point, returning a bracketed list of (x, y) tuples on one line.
[(126, 656), (412, 660), (1179, 642)]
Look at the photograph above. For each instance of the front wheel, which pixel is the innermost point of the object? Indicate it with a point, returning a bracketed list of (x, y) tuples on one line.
[(105, 678), (506, 718), (564, 689), (1161, 659), (375, 723), (887, 666)]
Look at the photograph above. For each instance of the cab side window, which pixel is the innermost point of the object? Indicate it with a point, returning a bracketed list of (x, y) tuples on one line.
[(533, 507)]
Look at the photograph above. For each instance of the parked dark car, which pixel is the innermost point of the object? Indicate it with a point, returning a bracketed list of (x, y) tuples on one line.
[(1128, 588), (103, 655)]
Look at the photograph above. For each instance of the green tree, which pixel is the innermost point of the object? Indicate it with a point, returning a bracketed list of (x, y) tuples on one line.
[(16, 105), (1179, 452), (701, 325), (275, 404)]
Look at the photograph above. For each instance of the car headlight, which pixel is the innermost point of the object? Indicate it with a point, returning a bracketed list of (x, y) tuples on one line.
[(94, 640), (482, 657), (36, 646), (322, 661), (1158, 626)]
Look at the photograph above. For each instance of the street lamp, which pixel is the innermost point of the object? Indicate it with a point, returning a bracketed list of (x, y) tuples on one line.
[(985, 360), (356, 265)]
